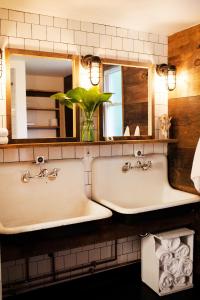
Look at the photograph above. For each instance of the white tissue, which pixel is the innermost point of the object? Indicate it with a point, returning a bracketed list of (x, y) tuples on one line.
[(173, 266), (3, 132), (164, 255), (127, 131), (182, 251), (180, 280), (186, 266), (195, 173), (137, 131), (3, 140), (166, 281), (171, 244)]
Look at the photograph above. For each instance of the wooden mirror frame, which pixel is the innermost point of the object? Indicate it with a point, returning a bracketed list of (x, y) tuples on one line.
[(75, 82), (151, 112)]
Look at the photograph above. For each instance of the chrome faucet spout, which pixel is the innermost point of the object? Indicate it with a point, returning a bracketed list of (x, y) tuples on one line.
[(140, 164)]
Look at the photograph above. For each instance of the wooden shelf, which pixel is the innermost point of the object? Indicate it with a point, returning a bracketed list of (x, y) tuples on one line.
[(41, 127), (37, 93), (43, 109), (47, 143)]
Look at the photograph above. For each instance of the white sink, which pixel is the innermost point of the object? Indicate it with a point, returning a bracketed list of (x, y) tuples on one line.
[(44, 203), (136, 190)]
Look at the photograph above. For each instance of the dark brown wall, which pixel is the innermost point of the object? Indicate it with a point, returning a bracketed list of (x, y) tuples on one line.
[(135, 91), (184, 105)]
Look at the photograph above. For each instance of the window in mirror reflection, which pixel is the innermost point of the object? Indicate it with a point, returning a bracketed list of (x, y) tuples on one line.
[(33, 80), (113, 111), (129, 107)]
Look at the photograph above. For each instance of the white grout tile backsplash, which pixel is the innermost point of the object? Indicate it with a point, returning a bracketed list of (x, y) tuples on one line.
[(16, 43), (41, 151), (55, 153), (32, 18), (11, 155), (74, 24), (8, 28), (67, 36), (16, 15), (3, 13), (1, 155), (93, 39), (53, 34), (46, 20), (45, 33), (39, 32), (87, 26), (32, 44), (116, 150), (23, 30), (68, 152), (26, 154), (105, 150)]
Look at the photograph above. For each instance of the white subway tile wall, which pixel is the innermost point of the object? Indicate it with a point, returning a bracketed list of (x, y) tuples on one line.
[(128, 250), (46, 33)]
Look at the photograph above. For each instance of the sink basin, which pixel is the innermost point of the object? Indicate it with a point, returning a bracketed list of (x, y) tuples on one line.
[(136, 190), (42, 203)]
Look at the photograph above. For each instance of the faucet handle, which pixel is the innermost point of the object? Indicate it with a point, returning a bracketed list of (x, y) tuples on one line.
[(147, 165), (53, 173), (126, 166), (26, 177)]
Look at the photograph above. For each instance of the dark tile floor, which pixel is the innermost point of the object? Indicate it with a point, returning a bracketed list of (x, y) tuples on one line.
[(120, 283)]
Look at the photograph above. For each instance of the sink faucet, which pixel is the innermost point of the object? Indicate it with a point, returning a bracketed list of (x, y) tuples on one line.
[(43, 172), (143, 165)]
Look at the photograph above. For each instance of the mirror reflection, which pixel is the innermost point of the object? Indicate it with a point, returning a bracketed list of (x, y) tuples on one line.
[(33, 80), (130, 100)]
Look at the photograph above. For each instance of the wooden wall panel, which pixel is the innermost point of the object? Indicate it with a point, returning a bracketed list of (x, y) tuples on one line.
[(184, 106), (135, 91), (184, 52)]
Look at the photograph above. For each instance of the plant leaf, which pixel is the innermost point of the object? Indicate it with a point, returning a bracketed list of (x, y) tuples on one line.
[(87, 100), (63, 99)]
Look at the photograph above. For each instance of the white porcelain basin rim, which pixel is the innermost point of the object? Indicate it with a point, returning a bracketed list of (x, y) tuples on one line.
[(135, 191), (95, 212), (42, 203)]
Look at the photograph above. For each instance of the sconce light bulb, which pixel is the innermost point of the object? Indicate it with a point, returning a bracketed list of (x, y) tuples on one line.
[(93, 63), (169, 72)]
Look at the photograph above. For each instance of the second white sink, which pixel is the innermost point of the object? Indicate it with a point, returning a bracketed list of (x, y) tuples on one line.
[(136, 190)]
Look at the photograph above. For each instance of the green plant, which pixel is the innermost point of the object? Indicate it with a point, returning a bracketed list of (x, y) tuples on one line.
[(88, 101)]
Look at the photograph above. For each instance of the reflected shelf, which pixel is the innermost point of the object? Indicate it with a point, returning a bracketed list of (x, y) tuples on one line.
[(47, 143), (43, 109), (42, 127)]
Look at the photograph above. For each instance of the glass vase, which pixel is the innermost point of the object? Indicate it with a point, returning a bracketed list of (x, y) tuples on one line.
[(87, 132)]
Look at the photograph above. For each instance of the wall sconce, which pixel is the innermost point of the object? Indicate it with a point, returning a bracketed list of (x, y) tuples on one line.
[(93, 64), (169, 71)]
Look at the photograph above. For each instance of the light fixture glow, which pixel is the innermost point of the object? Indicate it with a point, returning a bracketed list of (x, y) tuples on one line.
[(93, 64), (169, 72)]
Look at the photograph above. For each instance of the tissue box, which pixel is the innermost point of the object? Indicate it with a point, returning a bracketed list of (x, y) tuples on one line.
[(178, 270)]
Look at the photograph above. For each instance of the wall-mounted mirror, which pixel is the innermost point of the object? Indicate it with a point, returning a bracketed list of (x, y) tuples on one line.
[(132, 99), (32, 77)]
